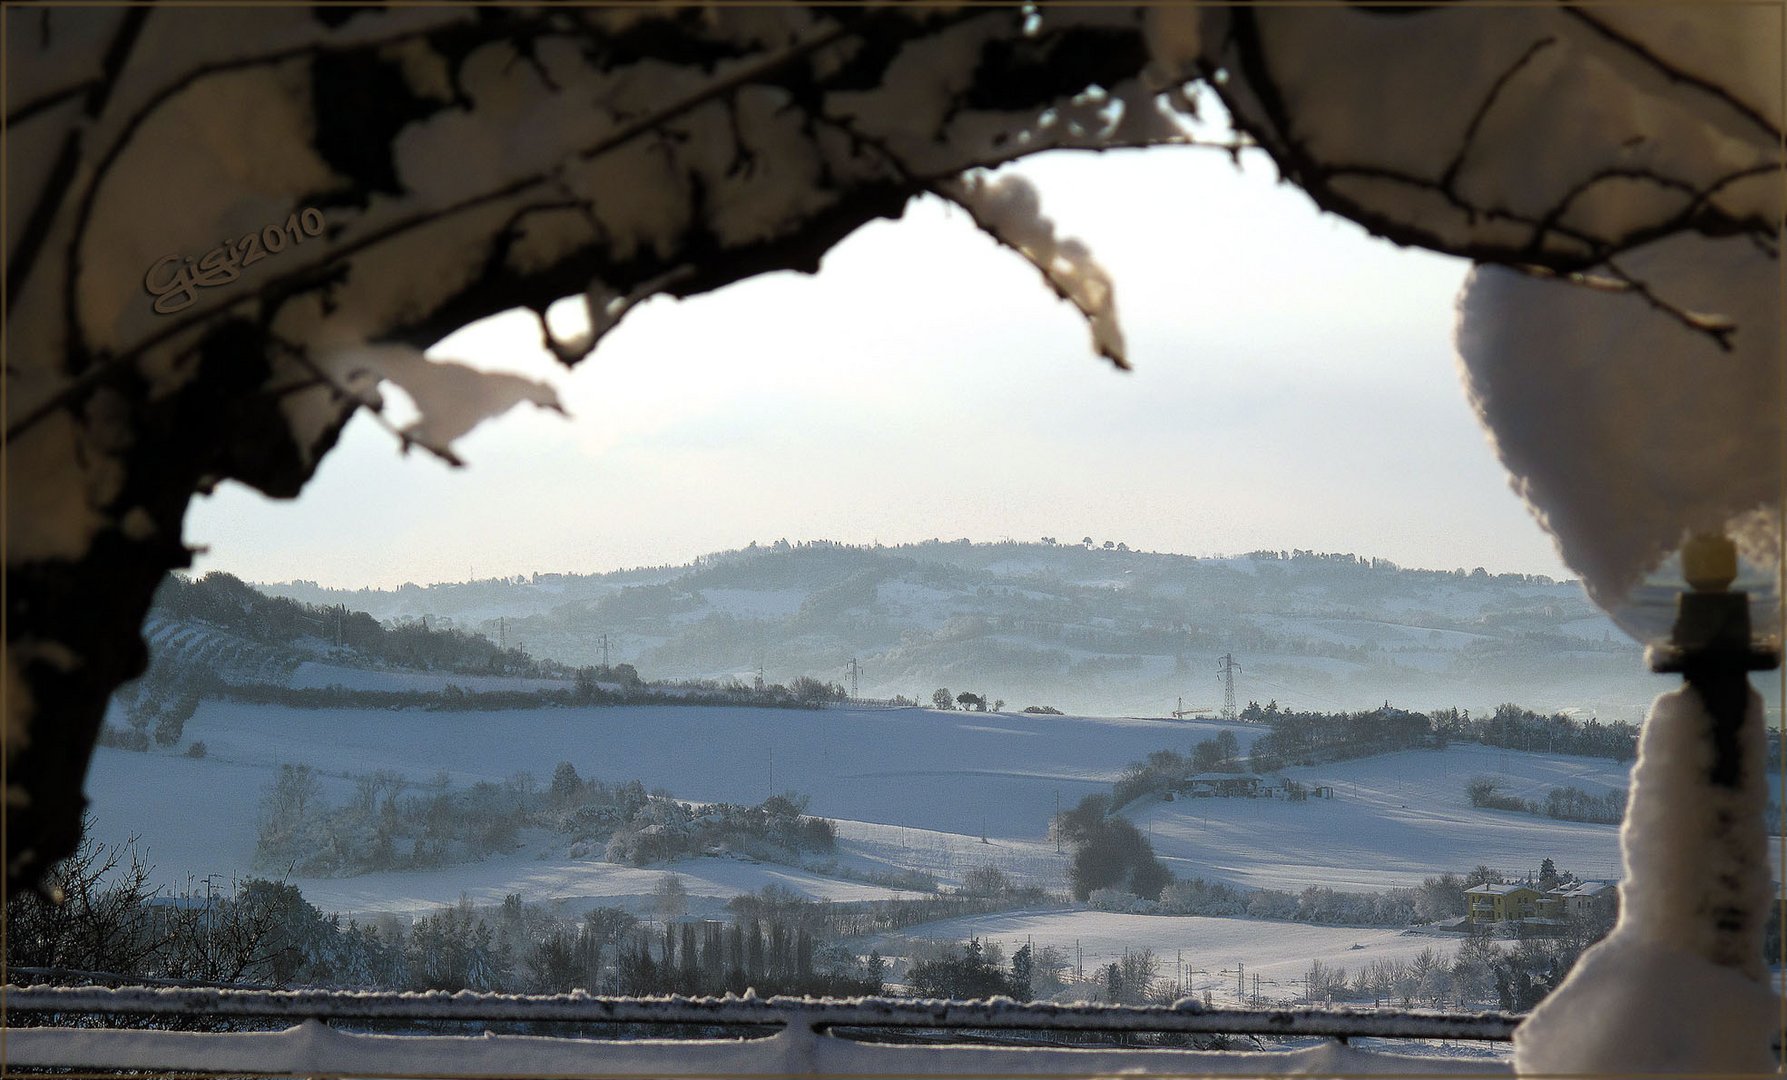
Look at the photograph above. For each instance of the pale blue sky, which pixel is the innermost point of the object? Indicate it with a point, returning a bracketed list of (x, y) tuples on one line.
[(1294, 387)]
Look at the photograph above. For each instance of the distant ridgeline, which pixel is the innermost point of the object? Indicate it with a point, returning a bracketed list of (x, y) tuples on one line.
[(1091, 627)]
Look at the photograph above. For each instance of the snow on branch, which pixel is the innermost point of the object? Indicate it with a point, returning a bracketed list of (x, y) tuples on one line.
[(1008, 209), (451, 398), (1542, 135)]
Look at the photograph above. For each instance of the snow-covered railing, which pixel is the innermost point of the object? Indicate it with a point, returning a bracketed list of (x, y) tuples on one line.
[(819, 1014), (800, 1036)]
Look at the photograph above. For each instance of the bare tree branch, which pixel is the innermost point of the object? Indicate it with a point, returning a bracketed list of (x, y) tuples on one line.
[(1617, 280), (1675, 74), (1450, 176), (94, 374), (61, 175), (48, 101)]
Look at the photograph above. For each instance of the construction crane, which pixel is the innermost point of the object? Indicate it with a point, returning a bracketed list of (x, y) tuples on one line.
[(1182, 712)]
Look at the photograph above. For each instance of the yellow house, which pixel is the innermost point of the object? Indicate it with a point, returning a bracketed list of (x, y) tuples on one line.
[(1500, 903)]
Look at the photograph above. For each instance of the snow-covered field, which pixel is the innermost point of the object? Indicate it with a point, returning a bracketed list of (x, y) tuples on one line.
[(948, 855), (911, 789), (1394, 820), (1214, 952)]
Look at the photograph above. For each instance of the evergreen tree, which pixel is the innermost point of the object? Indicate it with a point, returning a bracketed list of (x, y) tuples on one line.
[(1021, 965)]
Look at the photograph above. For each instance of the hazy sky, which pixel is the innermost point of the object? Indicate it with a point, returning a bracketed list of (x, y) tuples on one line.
[(1295, 386)]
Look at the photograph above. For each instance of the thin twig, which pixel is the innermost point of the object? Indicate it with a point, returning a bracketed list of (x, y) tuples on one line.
[(1618, 280), (1676, 74), (1495, 92), (58, 181), (48, 101), (1720, 330)]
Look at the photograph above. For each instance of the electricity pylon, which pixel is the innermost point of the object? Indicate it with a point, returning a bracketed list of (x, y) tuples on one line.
[(1227, 667)]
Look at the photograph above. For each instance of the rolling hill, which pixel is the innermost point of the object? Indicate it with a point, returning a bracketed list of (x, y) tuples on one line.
[(1088, 629)]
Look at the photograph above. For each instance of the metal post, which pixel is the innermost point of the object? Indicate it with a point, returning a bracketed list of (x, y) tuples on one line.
[(1711, 647)]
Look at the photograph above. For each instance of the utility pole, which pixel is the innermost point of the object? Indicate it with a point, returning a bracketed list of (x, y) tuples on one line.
[(1057, 829), (502, 632), (1227, 667), (210, 881), (605, 650)]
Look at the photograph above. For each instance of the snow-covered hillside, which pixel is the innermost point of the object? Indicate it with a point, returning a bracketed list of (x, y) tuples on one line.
[(949, 778), (1394, 819), (1088, 629), (313, 674), (911, 789), (231, 657)]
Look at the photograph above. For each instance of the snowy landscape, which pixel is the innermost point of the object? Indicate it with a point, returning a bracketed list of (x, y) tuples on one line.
[(1464, 285), (457, 813), (937, 793), (910, 788), (1089, 627)]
